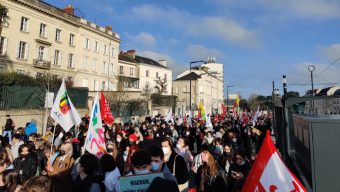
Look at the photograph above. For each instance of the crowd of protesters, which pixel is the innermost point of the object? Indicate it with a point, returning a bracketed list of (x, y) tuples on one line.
[(191, 156)]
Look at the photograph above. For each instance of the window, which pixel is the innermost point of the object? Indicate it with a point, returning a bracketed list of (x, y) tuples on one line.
[(121, 70), (41, 53), (147, 73), (71, 60), (95, 85), (113, 52), (19, 71), (71, 39), (112, 68), (39, 75), (96, 47), (22, 50), (42, 30), (24, 24), (3, 45), (58, 35), (103, 85), (131, 71), (201, 90), (157, 76), (87, 43), (85, 63), (176, 89), (57, 58), (95, 65), (105, 49), (165, 77), (104, 67), (184, 89)]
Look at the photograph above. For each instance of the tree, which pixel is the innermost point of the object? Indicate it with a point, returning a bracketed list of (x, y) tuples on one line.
[(161, 85), (293, 94), (3, 16)]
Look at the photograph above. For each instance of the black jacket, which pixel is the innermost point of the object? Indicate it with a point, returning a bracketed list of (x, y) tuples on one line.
[(26, 167), (178, 165), (215, 183)]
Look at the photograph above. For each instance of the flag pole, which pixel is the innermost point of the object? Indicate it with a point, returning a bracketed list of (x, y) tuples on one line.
[(55, 125)]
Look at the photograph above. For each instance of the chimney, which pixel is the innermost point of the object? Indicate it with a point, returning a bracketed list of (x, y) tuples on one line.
[(162, 62), (108, 28), (69, 9), (132, 53)]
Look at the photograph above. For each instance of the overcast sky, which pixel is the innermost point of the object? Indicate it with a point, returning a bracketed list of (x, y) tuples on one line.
[(257, 40)]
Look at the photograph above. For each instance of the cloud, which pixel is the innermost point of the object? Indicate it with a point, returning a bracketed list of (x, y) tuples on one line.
[(200, 52), (331, 52), (216, 27), (144, 39)]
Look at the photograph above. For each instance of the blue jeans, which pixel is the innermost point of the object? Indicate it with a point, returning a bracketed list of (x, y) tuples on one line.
[(8, 134)]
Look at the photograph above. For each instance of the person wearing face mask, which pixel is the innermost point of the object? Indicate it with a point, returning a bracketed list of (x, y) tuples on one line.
[(238, 172), (111, 173), (112, 150), (174, 133), (176, 164), (25, 164), (208, 139), (141, 163), (87, 179), (182, 149), (60, 171), (226, 159), (15, 144), (158, 163)]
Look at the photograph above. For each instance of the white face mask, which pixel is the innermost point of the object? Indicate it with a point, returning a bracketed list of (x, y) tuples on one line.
[(234, 140), (179, 146), (119, 139), (166, 150)]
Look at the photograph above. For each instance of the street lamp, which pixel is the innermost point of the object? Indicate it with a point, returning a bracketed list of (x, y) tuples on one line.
[(192, 62), (228, 96), (311, 68)]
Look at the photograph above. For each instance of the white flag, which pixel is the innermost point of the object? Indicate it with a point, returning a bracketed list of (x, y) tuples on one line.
[(208, 121), (256, 115), (169, 117), (95, 142), (63, 111)]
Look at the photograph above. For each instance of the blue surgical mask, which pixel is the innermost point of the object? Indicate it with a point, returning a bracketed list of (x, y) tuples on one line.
[(146, 171), (155, 166)]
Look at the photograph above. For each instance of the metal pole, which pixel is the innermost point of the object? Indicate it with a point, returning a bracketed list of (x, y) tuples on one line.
[(190, 88), (311, 68)]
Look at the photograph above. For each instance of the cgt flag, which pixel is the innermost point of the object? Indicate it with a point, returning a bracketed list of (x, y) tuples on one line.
[(95, 142), (63, 111), (269, 173), (105, 110)]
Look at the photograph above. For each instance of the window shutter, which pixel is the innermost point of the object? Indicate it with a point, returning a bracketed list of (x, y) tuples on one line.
[(85, 43), (60, 58), (54, 57), (5, 46), (26, 50), (18, 47)]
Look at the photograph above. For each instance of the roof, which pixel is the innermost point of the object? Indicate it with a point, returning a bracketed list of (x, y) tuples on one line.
[(337, 92), (192, 76), (126, 57), (148, 61), (139, 59), (324, 91)]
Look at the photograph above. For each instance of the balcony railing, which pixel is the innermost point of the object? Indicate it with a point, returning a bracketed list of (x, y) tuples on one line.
[(41, 64)]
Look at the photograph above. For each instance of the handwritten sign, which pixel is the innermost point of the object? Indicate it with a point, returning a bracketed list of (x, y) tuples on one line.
[(137, 183)]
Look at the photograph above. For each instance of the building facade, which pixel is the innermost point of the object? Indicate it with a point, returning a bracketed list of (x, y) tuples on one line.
[(150, 73), (206, 88), (41, 39)]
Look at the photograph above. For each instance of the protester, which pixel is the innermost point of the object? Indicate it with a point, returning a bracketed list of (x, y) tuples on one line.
[(60, 171), (25, 164), (182, 149), (9, 126), (111, 173), (141, 162), (9, 181), (176, 164), (238, 172), (37, 184), (15, 144)]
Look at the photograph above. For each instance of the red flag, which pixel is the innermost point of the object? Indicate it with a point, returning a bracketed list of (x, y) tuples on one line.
[(224, 112), (269, 173), (105, 110)]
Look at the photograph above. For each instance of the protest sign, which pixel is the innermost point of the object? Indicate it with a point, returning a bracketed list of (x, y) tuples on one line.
[(137, 183)]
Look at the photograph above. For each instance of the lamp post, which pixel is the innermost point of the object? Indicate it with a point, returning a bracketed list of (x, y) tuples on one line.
[(228, 96), (192, 62), (311, 68)]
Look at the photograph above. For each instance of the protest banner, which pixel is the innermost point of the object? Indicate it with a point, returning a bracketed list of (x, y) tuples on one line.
[(137, 183)]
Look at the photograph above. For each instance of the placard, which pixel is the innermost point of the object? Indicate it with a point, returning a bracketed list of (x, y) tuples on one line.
[(137, 183)]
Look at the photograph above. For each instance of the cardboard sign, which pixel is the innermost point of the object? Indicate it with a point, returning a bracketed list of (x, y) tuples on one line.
[(137, 183)]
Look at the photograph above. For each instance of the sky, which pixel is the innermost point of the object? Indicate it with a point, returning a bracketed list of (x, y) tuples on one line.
[(257, 41)]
